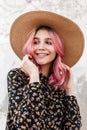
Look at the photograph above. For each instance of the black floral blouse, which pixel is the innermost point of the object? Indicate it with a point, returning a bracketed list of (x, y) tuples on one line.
[(36, 106)]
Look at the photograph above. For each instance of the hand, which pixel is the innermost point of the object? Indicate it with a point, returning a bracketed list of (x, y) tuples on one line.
[(28, 67), (69, 81)]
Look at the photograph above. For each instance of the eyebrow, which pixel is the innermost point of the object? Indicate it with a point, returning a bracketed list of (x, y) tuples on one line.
[(45, 39), (36, 38)]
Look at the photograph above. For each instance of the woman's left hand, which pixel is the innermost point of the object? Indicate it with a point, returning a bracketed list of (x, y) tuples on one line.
[(70, 86)]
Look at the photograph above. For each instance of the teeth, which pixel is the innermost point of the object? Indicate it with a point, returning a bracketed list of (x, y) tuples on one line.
[(42, 54)]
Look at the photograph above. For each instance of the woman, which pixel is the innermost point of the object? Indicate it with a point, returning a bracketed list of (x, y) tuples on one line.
[(41, 92)]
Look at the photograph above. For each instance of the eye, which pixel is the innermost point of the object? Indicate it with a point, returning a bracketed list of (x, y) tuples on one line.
[(49, 42), (36, 42)]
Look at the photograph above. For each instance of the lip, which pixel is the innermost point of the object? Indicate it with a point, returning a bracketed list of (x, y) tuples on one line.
[(41, 55)]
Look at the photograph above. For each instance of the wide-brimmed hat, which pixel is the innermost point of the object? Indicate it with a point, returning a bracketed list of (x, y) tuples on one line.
[(69, 32)]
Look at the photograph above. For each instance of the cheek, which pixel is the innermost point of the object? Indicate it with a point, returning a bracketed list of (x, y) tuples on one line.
[(53, 53), (35, 48)]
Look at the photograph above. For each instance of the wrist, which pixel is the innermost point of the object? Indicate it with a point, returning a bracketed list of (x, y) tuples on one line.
[(70, 91), (34, 78)]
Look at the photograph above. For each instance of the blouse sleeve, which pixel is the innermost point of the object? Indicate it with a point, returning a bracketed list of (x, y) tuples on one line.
[(31, 111), (72, 118), (15, 83)]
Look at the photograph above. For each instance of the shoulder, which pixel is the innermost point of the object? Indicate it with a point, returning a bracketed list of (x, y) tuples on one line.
[(16, 72), (62, 94), (17, 76), (61, 91)]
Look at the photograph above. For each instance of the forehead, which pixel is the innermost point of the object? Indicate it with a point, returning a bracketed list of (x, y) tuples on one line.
[(42, 33)]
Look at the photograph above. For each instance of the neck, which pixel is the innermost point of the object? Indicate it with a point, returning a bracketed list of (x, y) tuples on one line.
[(46, 70)]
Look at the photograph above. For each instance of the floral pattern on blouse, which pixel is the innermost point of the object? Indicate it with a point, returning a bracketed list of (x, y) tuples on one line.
[(36, 106)]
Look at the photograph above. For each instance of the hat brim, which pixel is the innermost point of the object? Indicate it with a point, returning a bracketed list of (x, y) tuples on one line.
[(69, 32)]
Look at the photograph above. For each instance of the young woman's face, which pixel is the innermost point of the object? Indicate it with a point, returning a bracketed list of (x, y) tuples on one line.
[(43, 49)]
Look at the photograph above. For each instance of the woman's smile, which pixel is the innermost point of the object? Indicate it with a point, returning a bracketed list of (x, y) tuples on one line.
[(41, 54)]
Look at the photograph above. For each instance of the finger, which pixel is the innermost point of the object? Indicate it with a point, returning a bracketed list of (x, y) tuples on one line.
[(21, 69), (67, 67), (26, 56), (29, 56)]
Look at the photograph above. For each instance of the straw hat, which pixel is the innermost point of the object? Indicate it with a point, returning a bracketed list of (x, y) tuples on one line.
[(69, 32)]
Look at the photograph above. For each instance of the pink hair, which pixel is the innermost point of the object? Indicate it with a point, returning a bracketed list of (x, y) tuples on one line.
[(58, 74), (28, 47)]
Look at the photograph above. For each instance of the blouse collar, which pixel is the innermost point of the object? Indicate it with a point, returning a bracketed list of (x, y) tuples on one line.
[(43, 78)]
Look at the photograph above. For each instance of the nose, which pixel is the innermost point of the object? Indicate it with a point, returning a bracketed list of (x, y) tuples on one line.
[(41, 46)]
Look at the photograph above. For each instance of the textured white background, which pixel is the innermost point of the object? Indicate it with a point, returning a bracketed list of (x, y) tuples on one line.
[(9, 10)]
